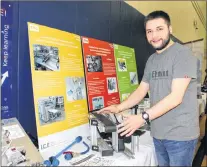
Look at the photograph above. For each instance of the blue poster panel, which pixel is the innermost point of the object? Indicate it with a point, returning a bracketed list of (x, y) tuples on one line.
[(6, 57)]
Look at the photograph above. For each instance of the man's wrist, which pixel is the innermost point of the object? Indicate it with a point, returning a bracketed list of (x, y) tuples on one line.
[(149, 113), (141, 119), (145, 117), (119, 108)]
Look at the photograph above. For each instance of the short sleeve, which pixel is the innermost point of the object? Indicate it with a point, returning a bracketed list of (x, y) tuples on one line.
[(146, 76), (185, 65)]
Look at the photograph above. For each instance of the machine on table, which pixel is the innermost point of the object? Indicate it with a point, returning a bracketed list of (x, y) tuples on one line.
[(103, 124)]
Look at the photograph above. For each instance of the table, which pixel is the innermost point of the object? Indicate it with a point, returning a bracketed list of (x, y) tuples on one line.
[(20, 139), (144, 157)]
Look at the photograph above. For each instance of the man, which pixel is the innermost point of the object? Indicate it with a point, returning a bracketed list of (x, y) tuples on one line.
[(170, 76)]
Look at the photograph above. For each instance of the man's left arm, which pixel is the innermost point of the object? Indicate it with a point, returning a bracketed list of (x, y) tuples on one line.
[(179, 86)]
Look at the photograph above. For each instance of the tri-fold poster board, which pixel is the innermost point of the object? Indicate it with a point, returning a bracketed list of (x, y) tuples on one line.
[(73, 75)]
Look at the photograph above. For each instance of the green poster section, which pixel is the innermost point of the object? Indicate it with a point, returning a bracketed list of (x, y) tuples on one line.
[(126, 70)]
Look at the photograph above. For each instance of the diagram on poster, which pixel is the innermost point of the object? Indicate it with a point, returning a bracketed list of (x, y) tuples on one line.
[(75, 88), (100, 73), (58, 83), (126, 70)]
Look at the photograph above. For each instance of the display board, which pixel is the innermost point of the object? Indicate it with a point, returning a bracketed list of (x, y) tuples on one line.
[(100, 71), (126, 70), (58, 83)]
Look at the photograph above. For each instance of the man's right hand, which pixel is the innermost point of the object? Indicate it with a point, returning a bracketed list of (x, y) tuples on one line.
[(111, 109)]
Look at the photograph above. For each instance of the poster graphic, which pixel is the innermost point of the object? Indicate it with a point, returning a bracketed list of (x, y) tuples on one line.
[(133, 78), (100, 72), (46, 58), (58, 84), (94, 63), (125, 96), (75, 88), (51, 109), (126, 70), (121, 64), (98, 102), (111, 85)]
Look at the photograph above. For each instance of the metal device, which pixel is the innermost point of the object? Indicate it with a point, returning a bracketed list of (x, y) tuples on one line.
[(83, 160), (135, 142), (106, 123), (103, 124)]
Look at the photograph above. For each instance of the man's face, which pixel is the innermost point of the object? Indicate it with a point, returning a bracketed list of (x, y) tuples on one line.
[(158, 33)]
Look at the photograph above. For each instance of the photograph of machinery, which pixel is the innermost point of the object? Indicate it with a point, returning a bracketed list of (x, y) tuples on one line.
[(75, 88), (133, 78), (98, 102), (94, 63), (112, 85), (46, 58), (51, 109), (122, 64)]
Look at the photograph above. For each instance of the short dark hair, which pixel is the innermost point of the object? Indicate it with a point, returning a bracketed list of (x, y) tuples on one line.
[(156, 15)]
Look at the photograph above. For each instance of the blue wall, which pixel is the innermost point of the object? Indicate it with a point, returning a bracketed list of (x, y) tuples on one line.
[(115, 22)]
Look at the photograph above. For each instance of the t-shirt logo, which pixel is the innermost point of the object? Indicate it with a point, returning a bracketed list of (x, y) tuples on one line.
[(159, 74)]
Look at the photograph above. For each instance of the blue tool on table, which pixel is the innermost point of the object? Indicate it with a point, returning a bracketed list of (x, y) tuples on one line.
[(53, 160), (70, 154)]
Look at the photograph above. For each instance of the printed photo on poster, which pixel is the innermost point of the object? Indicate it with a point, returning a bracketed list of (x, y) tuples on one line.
[(133, 78), (51, 109), (125, 96), (75, 88), (46, 58), (94, 63), (98, 102), (111, 85), (122, 64)]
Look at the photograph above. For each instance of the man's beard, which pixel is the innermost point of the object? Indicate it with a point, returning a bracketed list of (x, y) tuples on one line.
[(164, 44)]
